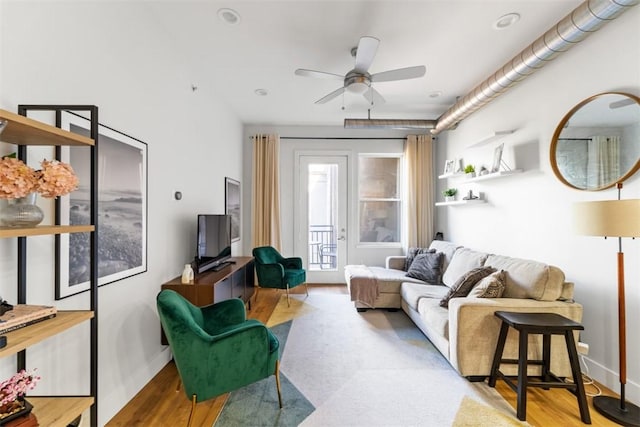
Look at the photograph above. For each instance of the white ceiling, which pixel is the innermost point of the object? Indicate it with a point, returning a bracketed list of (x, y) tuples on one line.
[(453, 39)]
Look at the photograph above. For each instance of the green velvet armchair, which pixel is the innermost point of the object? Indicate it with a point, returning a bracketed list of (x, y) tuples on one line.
[(215, 348), (275, 271)]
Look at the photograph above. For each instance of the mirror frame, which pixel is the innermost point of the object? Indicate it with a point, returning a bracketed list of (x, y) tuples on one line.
[(559, 129)]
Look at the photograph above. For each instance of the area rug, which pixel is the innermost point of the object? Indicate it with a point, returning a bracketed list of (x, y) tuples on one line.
[(344, 368)]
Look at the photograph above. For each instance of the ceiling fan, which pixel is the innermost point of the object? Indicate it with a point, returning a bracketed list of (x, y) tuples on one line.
[(359, 80)]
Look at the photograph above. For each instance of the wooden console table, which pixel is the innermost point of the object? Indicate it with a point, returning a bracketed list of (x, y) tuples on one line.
[(233, 281)]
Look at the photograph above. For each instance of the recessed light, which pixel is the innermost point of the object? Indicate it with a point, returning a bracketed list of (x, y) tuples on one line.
[(506, 21), (229, 16), (261, 92)]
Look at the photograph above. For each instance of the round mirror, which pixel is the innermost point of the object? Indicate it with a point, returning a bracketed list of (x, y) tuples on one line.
[(597, 144)]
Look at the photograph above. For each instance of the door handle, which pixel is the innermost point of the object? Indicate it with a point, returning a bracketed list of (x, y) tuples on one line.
[(342, 238)]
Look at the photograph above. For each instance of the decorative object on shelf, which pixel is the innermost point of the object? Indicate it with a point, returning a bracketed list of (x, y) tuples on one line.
[(470, 196), (449, 194), (497, 158), (122, 210), (187, 275), (21, 212), (614, 218), (232, 205), (12, 391), (483, 171), (470, 171), (458, 166), (19, 180), (449, 166)]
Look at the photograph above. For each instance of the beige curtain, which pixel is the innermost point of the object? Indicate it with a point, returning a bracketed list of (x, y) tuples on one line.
[(265, 214), (419, 166), (603, 161)]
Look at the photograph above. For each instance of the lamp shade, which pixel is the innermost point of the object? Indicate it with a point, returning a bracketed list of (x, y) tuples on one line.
[(612, 218)]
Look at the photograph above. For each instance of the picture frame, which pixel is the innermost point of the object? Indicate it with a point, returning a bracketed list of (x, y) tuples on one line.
[(122, 209), (232, 206), (497, 158), (449, 166)]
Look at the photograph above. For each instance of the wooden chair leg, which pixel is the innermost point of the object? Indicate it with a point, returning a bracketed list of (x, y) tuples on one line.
[(179, 385), (278, 383), (193, 410), (288, 302), (306, 288)]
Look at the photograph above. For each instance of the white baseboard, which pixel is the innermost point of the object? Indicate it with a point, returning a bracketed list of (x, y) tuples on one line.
[(611, 380)]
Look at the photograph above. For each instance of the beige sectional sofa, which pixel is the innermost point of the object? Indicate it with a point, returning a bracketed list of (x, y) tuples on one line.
[(466, 332)]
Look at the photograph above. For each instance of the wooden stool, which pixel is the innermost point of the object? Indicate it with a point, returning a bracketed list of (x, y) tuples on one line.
[(545, 324)]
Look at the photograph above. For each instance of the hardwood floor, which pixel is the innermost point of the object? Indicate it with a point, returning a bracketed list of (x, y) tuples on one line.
[(159, 403)]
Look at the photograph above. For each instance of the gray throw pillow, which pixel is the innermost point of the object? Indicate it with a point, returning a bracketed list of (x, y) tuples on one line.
[(465, 283), (412, 253), (491, 286), (427, 267)]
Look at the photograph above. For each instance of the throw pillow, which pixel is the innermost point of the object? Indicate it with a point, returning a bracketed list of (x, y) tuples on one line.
[(412, 253), (427, 267), (465, 283), (491, 286)]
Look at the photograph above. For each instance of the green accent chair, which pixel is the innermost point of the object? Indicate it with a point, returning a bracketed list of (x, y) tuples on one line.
[(215, 348), (275, 271)]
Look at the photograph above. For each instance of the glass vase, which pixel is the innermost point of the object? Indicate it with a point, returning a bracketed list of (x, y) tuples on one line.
[(21, 212)]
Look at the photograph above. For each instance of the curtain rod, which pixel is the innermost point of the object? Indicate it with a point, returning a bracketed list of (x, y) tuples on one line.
[(339, 137), (574, 139)]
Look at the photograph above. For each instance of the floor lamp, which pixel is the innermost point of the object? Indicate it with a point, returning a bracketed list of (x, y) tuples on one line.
[(614, 218)]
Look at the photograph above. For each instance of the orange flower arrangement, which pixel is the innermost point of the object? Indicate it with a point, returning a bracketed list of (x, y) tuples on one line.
[(18, 180)]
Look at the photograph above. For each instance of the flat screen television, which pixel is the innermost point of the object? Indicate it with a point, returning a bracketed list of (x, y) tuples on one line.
[(213, 242)]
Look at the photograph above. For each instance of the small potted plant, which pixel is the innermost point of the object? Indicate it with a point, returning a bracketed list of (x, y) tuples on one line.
[(470, 171), (449, 194)]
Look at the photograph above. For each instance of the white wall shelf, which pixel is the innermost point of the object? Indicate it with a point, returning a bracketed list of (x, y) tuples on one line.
[(490, 138), (451, 175), (461, 202), (494, 175)]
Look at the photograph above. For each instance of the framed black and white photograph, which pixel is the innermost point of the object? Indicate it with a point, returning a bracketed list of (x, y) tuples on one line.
[(122, 209), (449, 166), (497, 158), (232, 206)]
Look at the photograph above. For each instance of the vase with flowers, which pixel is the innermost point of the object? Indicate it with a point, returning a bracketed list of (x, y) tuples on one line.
[(12, 391), (19, 185)]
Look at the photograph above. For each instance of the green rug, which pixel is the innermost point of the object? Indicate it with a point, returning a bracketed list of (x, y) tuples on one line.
[(344, 368)]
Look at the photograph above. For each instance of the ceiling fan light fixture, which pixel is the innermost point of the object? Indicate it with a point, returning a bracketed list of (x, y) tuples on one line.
[(506, 21), (229, 16), (358, 87)]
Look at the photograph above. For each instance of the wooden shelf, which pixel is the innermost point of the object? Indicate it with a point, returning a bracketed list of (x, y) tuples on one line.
[(44, 230), (494, 175), (462, 202), (58, 411), (22, 130), (20, 339)]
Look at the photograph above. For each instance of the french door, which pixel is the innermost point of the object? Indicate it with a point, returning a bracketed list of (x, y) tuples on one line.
[(321, 214)]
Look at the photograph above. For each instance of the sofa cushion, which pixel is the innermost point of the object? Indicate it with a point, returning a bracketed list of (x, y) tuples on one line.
[(435, 316), (412, 253), (411, 293), (447, 248), (463, 260), (491, 286), (465, 283), (389, 280), (427, 267), (528, 279)]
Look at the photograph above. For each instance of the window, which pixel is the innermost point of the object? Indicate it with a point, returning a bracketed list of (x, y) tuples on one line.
[(379, 198)]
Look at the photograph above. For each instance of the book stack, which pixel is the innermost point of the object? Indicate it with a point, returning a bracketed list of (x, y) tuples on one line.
[(24, 315)]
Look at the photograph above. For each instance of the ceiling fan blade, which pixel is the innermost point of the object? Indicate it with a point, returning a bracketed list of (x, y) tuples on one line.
[(367, 48), (318, 74), (399, 74), (373, 96), (329, 97)]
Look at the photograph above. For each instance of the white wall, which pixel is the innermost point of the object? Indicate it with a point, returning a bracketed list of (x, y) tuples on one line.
[(529, 215), (97, 53)]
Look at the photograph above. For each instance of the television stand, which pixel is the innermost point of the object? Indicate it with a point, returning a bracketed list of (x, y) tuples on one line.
[(222, 265)]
